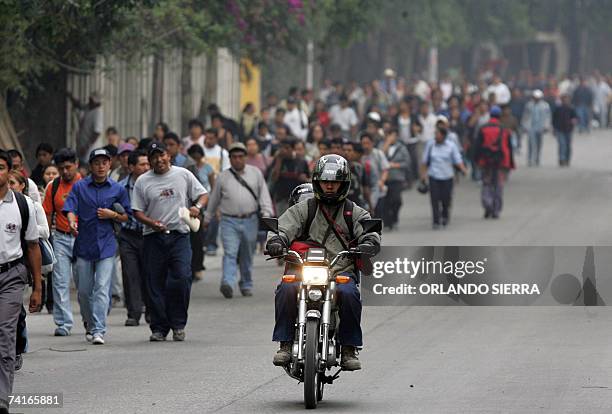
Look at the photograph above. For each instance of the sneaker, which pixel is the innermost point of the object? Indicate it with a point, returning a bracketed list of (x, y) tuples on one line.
[(98, 339), (246, 292), (349, 360), (178, 335), (18, 362), (487, 214), (157, 337), (88, 337), (494, 215), (131, 322), (227, 291), (283, 355), (211, 253), (61, 332), (435, 226)]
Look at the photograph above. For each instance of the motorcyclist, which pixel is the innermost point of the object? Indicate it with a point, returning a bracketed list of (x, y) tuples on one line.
[(329, 228)]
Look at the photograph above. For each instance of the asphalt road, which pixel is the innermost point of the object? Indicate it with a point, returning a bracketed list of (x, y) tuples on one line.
[(416, 359)]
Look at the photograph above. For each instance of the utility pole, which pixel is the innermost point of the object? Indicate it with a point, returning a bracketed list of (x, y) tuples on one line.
[(433, 60), (310, 64)]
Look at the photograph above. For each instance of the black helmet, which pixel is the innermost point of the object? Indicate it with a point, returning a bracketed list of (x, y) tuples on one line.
[(300, 193), (331, 168)]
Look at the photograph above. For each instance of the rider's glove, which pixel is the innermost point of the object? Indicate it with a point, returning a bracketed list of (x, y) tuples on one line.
[(275, 246), (372, 248)]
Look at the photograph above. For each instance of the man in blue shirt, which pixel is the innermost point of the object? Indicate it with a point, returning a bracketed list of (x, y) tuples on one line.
[(440, 157), (92, 200)]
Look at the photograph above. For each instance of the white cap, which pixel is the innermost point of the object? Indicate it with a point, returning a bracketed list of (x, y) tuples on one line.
[(192, 222), (442, 118), (374, 116), (538, 94), (389, 72)]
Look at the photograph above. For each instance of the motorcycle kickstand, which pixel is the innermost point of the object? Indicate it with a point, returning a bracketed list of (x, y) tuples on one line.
[(329, 379)]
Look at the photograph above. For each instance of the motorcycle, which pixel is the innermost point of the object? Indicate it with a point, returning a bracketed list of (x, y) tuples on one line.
[(314, 350)]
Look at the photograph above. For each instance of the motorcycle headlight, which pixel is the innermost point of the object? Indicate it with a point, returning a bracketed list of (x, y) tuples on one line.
[(315, 294), (314, 275)]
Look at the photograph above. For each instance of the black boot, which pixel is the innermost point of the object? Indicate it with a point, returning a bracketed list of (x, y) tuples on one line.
[(349, 360), (283, 355)]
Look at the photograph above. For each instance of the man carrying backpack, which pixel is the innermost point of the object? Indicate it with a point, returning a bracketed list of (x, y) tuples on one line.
[(331, 221), (17, 232), (493, 154)]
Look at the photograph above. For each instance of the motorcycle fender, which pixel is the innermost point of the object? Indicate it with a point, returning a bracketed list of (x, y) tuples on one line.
[(313, 314)]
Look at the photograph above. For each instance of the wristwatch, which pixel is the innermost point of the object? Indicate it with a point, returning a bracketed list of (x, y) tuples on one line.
[(198, 205)]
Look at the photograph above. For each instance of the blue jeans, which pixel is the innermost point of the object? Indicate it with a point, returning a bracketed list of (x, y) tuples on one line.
[(94, 280), (239, 238), (348, 300), (62, 273), (211, 235), (535, 147), (565, 145), (582, 111), (167, 264)]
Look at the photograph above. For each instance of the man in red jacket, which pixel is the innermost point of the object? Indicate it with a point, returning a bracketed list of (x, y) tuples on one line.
[(493, 154)]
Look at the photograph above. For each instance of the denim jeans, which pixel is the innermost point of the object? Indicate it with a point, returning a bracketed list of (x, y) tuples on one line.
[(535, 147), (582, 111), (167, 263), (62, 273), (212, 232), (492, 190), (93, 283), (348, 300), (239, 238), (565, 145)]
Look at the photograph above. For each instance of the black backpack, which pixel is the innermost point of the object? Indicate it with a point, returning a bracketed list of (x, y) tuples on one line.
[(24, 212)]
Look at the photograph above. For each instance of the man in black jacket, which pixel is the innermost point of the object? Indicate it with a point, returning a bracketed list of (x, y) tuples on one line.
[(564, 118)]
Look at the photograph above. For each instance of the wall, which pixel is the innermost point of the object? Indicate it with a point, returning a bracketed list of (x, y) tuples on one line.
[(127, 92)]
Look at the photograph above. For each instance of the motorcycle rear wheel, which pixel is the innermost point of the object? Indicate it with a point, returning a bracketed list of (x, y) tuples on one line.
[(311, 363)]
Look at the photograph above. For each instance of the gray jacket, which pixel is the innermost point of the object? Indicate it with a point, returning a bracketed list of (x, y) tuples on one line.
[(402, 157), (291, 226)]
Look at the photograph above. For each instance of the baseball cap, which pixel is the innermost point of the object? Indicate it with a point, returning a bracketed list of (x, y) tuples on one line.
[(389, 72), (100, 152), (538, 94), (495, 111), (442, 118), (291, 100), (156, 147), (237, 146), (123, 147)]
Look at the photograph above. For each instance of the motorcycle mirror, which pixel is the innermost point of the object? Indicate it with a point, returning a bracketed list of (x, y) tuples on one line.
[(270, 223), (371, 225)]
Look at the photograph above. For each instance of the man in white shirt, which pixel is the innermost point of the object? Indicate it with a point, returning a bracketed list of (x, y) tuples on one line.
[(500, 90), (13, 272), (215, 155), (296, 119), (345, 116)]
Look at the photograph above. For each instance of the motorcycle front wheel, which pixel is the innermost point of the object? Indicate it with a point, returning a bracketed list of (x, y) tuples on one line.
[(311, 363)]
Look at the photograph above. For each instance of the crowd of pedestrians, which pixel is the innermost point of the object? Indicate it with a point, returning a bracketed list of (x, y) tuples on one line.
[(136, 217)]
